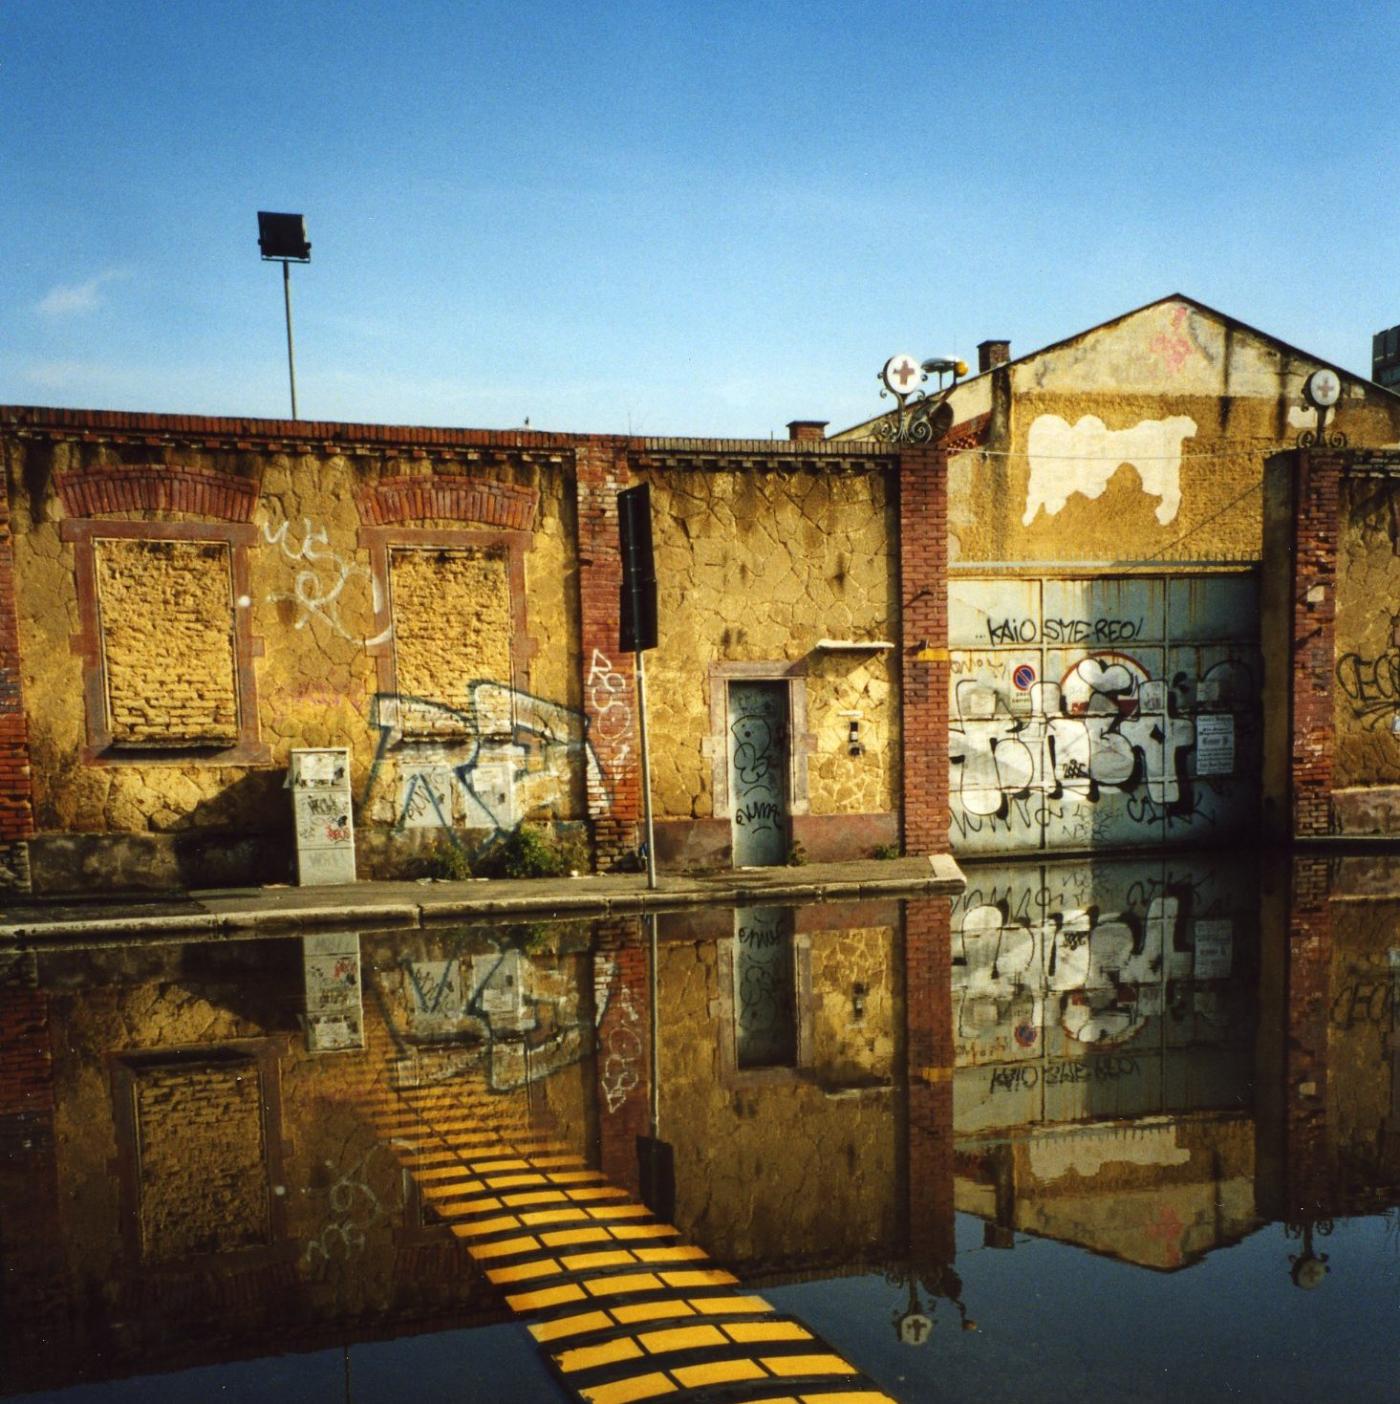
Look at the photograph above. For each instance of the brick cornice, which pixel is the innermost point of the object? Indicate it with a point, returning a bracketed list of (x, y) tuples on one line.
[(428, 442)]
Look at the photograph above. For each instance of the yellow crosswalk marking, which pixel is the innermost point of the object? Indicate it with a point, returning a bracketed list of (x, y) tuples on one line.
[(681, 1338), (629, 1391), (634, 1312), (542, 1298), (523, 1272), (673, 1253), (479, 1228), (591, 1357), (747, 1332), (624, 1282), (718, 1372), (477, 1160), (808, 1365), (567, 1326), (502, 1248), (566, 1238), (699, 1277)]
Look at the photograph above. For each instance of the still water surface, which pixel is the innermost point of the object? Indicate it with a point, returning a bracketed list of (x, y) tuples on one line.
[(1114, 1128)]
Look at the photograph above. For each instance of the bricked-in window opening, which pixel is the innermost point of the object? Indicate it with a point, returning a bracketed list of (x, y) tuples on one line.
[(167, 636), (454, 624), (202, 1174)]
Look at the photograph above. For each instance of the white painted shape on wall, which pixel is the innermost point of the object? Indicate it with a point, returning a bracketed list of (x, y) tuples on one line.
[(1083, 457)]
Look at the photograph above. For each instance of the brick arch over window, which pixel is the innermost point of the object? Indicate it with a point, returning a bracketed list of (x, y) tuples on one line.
[(155, 487), (453, 497)]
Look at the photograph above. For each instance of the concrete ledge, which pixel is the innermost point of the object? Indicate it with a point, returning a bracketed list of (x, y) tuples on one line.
[(248, 913)]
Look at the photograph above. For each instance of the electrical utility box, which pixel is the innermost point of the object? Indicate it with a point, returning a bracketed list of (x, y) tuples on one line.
[(320, 784)]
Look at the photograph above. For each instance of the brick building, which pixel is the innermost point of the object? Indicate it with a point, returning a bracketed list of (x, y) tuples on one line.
[(185, 600), (1106, 547), (1333, 752)]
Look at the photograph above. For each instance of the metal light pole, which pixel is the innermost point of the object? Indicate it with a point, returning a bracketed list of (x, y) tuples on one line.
[(291, 354), (282, 239)]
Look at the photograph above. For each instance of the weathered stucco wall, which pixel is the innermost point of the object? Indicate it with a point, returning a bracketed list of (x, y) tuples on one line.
[(753, 570), (1140, 439), (195, 599), (750, 1143), (176, 648)]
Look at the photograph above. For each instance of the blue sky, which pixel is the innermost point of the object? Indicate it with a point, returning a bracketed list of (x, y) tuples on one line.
[(702, 219)]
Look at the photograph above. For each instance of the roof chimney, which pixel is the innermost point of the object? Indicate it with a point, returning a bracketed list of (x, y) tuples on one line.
[(807, 430), (991, 354)]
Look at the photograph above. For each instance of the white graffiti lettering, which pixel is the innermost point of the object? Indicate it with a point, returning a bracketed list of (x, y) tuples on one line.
[(316, 590)]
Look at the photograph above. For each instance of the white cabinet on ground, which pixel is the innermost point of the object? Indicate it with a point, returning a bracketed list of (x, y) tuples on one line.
[(325, 831)]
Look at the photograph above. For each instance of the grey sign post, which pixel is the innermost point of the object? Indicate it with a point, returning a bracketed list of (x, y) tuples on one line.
[(638, 624)]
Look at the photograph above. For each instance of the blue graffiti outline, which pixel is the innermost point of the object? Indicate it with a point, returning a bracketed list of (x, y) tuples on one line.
[(384, 703)]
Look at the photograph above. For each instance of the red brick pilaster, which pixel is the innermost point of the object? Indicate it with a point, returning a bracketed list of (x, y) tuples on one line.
[(623, 1054), (16, 793), (609, 682), (923, 562), (31, 1258), (1312, 649), (1307, 1191), (928, 1020)]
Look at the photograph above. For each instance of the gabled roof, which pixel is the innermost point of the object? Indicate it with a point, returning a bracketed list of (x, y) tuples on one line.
[(1224, 317)]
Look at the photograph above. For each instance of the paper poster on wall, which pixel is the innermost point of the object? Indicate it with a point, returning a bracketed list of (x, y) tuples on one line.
[(1215, 744), (1215, 943)]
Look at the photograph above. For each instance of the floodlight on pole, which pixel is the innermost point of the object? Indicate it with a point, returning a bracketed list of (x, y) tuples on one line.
[(282, 239)]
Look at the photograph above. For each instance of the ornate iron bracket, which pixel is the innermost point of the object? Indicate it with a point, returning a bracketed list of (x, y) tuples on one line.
[(913, 421)]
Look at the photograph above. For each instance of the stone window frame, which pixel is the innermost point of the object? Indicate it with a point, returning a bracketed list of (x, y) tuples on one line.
[(124, 1066), (101, 748), (379, 541), (801, 742)]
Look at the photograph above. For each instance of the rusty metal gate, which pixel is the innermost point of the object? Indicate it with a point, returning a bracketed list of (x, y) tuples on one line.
[(1103, 712)]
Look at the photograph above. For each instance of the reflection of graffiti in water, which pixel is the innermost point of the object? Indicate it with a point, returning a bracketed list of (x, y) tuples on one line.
[(1367, 998), (498, 1012), (354, 1209), (1097, 974), (620, 1051), (764, 990)]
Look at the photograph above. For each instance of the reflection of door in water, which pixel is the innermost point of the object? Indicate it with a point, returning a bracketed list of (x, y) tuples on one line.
[(758, 771), (765, 1021)]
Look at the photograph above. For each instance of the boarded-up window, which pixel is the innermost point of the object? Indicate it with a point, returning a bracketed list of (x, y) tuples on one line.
[(202, 1167), (166, 612), (453, 626)]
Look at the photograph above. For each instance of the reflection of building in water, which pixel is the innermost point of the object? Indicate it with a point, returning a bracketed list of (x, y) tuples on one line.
[(1104, 1033), (184, 1174), (777, 1042), (1148, 1061)]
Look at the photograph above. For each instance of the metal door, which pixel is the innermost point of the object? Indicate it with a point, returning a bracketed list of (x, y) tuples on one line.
[(758, 763), (1105, 712)]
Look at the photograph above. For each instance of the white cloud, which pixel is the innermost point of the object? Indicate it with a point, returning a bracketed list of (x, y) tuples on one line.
[(74, 299)]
